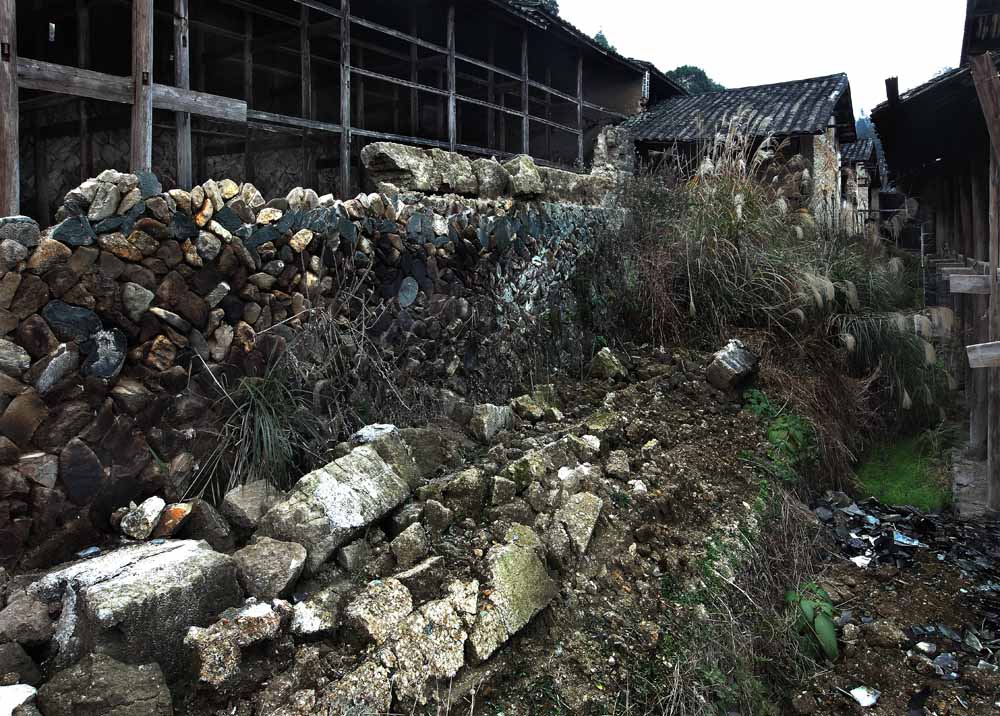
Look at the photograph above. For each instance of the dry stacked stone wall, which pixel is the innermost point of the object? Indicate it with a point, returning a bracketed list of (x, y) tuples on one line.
[(111, 319)]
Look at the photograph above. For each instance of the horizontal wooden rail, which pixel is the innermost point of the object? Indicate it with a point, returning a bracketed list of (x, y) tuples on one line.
[(290, 121), (203, 104)]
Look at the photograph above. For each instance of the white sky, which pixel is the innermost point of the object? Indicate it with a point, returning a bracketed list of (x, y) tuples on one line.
[(751, 42)]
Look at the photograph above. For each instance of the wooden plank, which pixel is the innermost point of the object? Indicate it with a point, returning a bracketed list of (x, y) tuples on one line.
[(313, 124), (142, 85), (984, 355), (200, 103), (955, 270), (975, 284), (452, 88), (525, 106), (83, 60), (49, 77), (9, 160), (396, 81), (345, 97), (182, 78)]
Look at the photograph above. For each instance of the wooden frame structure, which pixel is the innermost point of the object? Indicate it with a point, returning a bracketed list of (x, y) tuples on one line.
[(458, 74)]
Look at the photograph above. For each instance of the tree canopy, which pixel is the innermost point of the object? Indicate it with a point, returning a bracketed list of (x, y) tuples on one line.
[(694, 79), (601, 39)]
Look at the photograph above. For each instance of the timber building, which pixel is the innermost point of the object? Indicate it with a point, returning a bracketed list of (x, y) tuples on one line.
[(287, 92)]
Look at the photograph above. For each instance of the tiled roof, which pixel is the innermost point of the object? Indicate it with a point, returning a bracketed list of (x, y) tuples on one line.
[(859, 151), (783, 109)]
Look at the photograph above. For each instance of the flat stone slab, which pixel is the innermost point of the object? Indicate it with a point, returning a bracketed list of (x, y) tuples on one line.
[(136, 603), (329, 505)]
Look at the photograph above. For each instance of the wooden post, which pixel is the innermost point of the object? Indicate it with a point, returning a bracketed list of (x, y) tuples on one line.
[(142, 78), (305, 52), (988, 88), (491, 120), (359, 92), (548, 113), (345, 97), (9, 148), (579, 109), (182, 78), (41, 174), (525, 106), (978, 329), (452, 86), (83, 60), (249, 170), (414, 74)]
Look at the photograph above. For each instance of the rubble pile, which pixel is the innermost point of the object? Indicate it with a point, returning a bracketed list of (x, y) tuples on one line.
[(117, 323)]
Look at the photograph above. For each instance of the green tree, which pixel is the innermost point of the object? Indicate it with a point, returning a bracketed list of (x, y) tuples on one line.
[(601, 39), (694, 79)]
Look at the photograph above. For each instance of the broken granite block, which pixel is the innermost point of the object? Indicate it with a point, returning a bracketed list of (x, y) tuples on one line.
[(100, 686), (378, 609), (731, 366)]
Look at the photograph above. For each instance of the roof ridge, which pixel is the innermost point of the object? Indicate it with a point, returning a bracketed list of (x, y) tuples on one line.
[(842, 75)]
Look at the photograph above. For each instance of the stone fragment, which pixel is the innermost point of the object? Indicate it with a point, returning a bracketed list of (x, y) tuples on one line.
[(318, 615), (140, 522), (9, 284), (106, 202), (228, 189), (213, 193), (607, 366), (408, 168), (80, 472), (136, 300), (25, 620), (616, 465), (22, 229), (489, 420), (172, 519), (109, 599), (731, 366), (11, 254), (100, 686), (71, 323), (527, 409), (208, 246), (205, 523), (579, 516), (437, 517), (63, 361), (327, 506), (493, 179), (129, 201), (389, 444), (301, 240), (131, 395), (218, 649), (269, 569), (410, 546), (39, 468), (423, 581), (15, 660), (521, 587), (525, 179), (14, 360), (47, 255), (16, 698), (104, 354), (269, 216), (116, 243), (378, 609), (243, 506), (74, 231), (366, 690), (22, 417)]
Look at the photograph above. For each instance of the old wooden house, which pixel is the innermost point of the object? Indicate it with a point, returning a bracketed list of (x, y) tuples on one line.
[(288, 92)]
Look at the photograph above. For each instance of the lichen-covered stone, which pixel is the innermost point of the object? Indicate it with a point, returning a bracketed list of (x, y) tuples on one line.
[(489, 420), (376, 612), (269, 568)]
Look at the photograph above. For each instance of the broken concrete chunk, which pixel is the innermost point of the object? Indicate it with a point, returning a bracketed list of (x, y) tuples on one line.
[(579, 516), (330, 504), (378, 609), (269, 568), (521, 588), (731, 366), (101, 686), (111, 598), (219, 648), (489, 420)]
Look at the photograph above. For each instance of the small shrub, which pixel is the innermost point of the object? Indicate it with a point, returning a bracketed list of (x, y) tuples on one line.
[(814, 620)]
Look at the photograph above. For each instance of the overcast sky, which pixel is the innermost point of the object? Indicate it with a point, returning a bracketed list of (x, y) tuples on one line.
[(750, 42)]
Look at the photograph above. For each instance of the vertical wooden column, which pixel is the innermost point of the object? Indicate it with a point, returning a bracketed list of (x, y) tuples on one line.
[(305, 56), (414, 75), (142, 78), (452, 85), (249, 170), (993, 429), (9, 177), (345, 97), (579, 109), (491, 119), (525, 105), (977, 307), (182, 78), (41, 214), (83, 60)]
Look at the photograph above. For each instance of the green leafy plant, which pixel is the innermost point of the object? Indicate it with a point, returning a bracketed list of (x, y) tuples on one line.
[(814, 620), (791, 438)]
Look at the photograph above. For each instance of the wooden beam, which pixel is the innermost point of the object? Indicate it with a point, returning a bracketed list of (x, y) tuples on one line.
[(984, 355), (452, 87), (525, 107), (182, 78), (142, 85), (969, 284), (345, 97), (48, 77), (987, 83), (9, 177), (83, 60), (203, 104)]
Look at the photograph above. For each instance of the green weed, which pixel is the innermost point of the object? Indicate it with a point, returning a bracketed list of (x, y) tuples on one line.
[(905, 474)]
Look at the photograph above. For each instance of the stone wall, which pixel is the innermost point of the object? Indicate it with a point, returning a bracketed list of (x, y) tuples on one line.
[(113, 319)]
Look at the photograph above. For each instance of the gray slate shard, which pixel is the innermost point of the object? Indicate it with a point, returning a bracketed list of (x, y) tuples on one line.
[(227, 219), (348, 231), (182, 226), (109, 225), (105, 353), (408, 290), (149, 185), (71, 323), (75, 231), (262, 235)]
